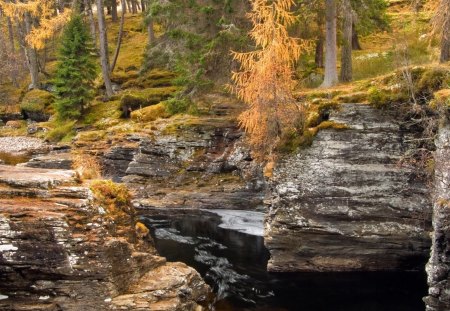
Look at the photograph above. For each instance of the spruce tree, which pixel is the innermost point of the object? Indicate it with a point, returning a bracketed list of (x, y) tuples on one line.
[(76, 70)]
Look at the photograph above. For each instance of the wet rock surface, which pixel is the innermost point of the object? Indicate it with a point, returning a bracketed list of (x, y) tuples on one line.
[(345, 203), (61, 251), (438, 267)]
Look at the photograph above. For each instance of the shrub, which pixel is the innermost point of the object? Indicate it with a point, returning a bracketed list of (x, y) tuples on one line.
[(114, 197), (86, 166), (180, 105), (141, 230)]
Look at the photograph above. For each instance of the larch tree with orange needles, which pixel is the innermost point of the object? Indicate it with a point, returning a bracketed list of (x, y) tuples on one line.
[(265, 80), (36, 21)]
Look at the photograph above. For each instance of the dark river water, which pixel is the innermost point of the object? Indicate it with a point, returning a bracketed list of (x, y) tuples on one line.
[(234, 265)]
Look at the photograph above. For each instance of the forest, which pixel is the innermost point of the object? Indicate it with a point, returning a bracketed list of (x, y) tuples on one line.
[(224, 155)]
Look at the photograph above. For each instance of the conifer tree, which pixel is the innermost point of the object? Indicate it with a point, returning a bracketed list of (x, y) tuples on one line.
[(76, 70), (265, 80)]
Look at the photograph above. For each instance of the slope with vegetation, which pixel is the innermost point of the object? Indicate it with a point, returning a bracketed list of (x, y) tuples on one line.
[(190, 99)]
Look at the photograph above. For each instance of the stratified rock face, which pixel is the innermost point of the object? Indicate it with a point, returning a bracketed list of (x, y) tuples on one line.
[(59, 251), (201, 166), (345, 204), (55, 160), (438, 267)]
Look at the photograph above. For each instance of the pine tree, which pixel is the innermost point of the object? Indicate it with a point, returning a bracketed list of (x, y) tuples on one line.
[(76, 70)]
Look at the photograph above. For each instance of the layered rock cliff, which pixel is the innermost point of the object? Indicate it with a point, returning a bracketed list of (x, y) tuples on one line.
[(345, 203), (438, 267), (193, 164), (61, 250)]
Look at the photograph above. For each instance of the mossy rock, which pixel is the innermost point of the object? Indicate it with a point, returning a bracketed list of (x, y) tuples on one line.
[(122, 77), (433, 79), (61, 132), (384, 98), (150, 113), (90, 136), (152, 79), (138, 99), (352, 98), (441, 102), (36, 105)]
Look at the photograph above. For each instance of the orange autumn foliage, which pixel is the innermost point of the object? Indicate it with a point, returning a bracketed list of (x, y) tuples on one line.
[(265, 80), (50, 19)]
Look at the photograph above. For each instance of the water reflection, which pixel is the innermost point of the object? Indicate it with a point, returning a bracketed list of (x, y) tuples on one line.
[(234, 264)]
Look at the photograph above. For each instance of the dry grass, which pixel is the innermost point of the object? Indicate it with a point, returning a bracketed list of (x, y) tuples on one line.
[(86, 166)]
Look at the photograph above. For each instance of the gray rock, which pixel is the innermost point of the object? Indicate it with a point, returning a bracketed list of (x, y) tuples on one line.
[(438, 267), (62, 161), (345, 203), (61, 251)]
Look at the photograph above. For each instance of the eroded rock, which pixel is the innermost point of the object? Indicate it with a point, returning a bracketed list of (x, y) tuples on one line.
[(438, 267), (345, 203), (59, 250)]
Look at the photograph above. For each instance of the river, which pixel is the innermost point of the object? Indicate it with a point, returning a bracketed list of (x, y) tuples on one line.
[(227, 249)]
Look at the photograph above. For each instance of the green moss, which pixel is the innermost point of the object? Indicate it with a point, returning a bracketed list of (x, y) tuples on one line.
[(122, 77), (291, 141), (36, 101), (357, 97), (91, 136), (137, 99), (61, 132), (150, 113), (99, 111), (433, 79), (180, 105)]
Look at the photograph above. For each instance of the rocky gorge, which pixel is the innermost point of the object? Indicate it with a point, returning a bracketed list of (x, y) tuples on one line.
[(346, 203), (62, 250)]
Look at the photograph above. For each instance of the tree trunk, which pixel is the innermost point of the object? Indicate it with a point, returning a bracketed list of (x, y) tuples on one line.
[(104, 58), (346, 55), (119, 38), (151, 32), (445, 42), (108, 7), (133, 7), (143, 5), (31, 56), (318, 57), (13, 51), (114, 16), (331, 76), (11, 35), (355, 39), (88, 8)]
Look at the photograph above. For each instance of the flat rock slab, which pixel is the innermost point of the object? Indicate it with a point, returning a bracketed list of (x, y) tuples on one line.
[(17, 176), (51, 161), (21, 144)]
